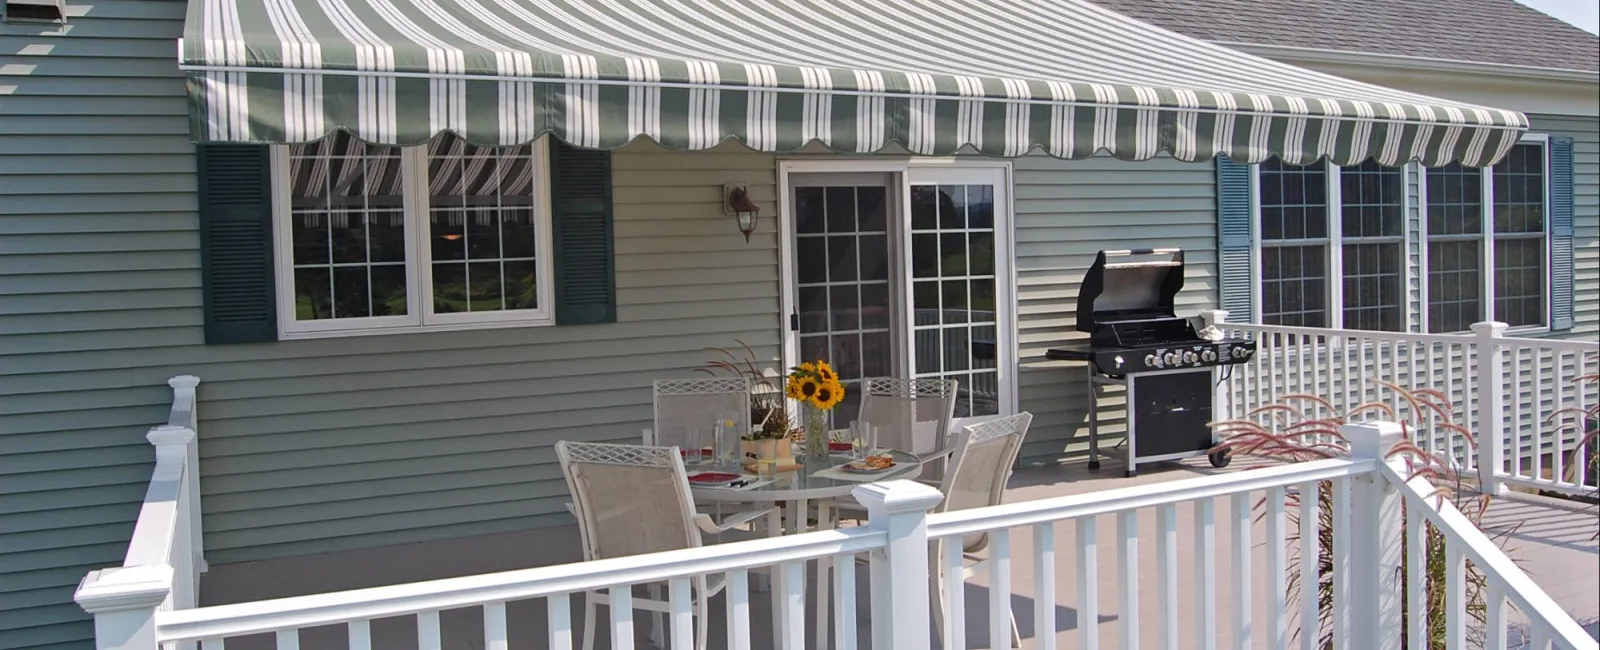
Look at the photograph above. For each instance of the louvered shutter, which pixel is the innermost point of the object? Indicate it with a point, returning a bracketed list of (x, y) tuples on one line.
[(1233, 239), (236, 243), (1561, 269), (580, 184)]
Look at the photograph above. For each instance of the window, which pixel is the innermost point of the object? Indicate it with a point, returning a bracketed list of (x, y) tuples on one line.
[(382, 238), (1317, 218), (1460, 248)]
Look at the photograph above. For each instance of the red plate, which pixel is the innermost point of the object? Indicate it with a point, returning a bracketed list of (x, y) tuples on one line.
[(839, 446), (713, 477), (685, 452)]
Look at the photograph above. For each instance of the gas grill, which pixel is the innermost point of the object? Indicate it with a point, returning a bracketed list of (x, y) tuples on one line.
[(1137, 340)]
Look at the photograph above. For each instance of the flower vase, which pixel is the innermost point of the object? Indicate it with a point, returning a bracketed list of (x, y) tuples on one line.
[(816, 421)]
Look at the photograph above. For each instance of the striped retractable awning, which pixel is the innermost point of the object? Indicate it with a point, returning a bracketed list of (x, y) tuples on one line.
[(934, 76)]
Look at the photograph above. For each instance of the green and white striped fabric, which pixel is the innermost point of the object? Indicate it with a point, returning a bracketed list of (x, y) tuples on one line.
[(1003, 77)]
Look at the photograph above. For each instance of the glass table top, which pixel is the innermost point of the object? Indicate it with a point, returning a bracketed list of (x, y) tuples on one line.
[(812, 482)]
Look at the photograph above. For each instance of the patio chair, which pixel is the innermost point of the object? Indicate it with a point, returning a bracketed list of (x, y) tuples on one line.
[(911, 415), (687, 412), (632, 500), (980, 466)]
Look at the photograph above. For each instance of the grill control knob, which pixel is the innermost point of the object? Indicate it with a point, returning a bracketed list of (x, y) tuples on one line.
[(1150, 360), (1209, 355), (1238, 353), (1189, 357)]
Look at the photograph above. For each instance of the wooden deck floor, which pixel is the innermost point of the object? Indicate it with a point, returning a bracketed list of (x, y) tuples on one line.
[(1554, 541)]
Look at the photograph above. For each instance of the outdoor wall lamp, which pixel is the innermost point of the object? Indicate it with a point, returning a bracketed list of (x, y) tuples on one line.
[(736, 203)]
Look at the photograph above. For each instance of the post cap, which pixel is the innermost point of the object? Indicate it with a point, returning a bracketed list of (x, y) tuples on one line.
[(1371, 439), (124, 588), (167, 434), (1492, 327), (896, 497), (184, 381)]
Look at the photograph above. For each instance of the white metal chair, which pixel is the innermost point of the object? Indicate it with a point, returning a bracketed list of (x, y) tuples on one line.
[(632, 500), (687, 412), (980, 466)]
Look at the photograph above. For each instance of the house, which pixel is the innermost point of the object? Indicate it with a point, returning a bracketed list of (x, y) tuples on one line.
[(375, 374)]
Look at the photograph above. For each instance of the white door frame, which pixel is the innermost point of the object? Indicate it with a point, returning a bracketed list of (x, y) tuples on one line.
[(904, 172)]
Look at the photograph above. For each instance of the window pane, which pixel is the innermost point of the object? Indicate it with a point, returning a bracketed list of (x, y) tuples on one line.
[(1519, 281), (481, 204), (1372, 198), (1519, 201), (347, 229), (1293, 201), (1372, 287), (1294, 286), (1455, 285), (1455, 201)]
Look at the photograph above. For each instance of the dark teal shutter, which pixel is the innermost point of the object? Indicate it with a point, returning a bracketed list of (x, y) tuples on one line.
[(1561, 233), (236, 243), (1233, 239), (580, 193)]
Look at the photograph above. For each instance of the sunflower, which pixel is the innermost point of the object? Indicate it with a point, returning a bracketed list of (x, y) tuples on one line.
[(825, 372), (806, 368), (808, 388), (828, 395), (791, 389)]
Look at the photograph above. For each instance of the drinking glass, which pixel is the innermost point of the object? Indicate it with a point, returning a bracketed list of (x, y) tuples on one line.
[(863, 439)]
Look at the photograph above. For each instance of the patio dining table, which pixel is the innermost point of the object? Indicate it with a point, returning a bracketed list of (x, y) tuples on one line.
[(798, 489)]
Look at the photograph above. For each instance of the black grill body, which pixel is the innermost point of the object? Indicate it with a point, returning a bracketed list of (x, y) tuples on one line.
[(1137, 340)]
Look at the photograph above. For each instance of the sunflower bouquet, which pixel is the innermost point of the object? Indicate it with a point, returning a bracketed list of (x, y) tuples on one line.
[(815, 385)]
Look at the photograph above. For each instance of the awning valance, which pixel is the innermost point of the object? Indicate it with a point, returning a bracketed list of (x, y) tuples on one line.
[(934, 76)]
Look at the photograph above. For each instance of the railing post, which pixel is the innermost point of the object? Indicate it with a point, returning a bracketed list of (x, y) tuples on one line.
[(174, 453), (901, 575), (1221, 392), (186, 405), (1376, 546), (1491, 403), (123, 602)]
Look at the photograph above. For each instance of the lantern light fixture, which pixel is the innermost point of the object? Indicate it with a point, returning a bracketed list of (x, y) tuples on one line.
[(736, 203)]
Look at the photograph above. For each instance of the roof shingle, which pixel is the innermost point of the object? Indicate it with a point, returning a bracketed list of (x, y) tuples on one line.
[(1484, 31)]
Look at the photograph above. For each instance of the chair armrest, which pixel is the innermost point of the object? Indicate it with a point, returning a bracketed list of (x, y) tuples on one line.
[(735, 520)]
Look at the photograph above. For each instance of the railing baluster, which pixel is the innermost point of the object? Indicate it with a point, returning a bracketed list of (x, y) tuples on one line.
[(794, 605), (1396, 377), (844, 601), (1582, 452), (1088, 584), (1450, 394), (955, 594), (1242, 621), (1044, 581), (1277, 571), (1558, 461), (1326, 350), (428, 631), (680, 599), (738, 602), (999, 589), (1341, 562), (558, 609), (494, 627), (622, 617), (1494, 628), (1416, 577), (1455, 613), (360, 634), (1310, 577), (1128, 577), (1539, 637), (1535, 422), (1205, 573), (1513, 408), (1167, 574), (288, 639)]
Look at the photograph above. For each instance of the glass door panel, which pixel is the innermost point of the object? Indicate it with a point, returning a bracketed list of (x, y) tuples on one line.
[(844, 293), (954, 287)]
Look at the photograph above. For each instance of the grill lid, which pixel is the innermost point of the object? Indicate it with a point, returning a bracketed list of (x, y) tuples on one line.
[(1124, 285)]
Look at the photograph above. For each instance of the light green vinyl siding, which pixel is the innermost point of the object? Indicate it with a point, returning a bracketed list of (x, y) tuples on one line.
[(1066, 211), (306, 446), (1585, 134), (97, 250)]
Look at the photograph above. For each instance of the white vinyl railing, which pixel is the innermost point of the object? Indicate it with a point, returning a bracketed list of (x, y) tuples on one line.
[(1541, 389), (161, 570), (1366, 575)]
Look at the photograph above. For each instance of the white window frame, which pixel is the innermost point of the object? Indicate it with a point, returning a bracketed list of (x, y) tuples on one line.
[(419, 315), (1487, 242), (1334, 259)]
